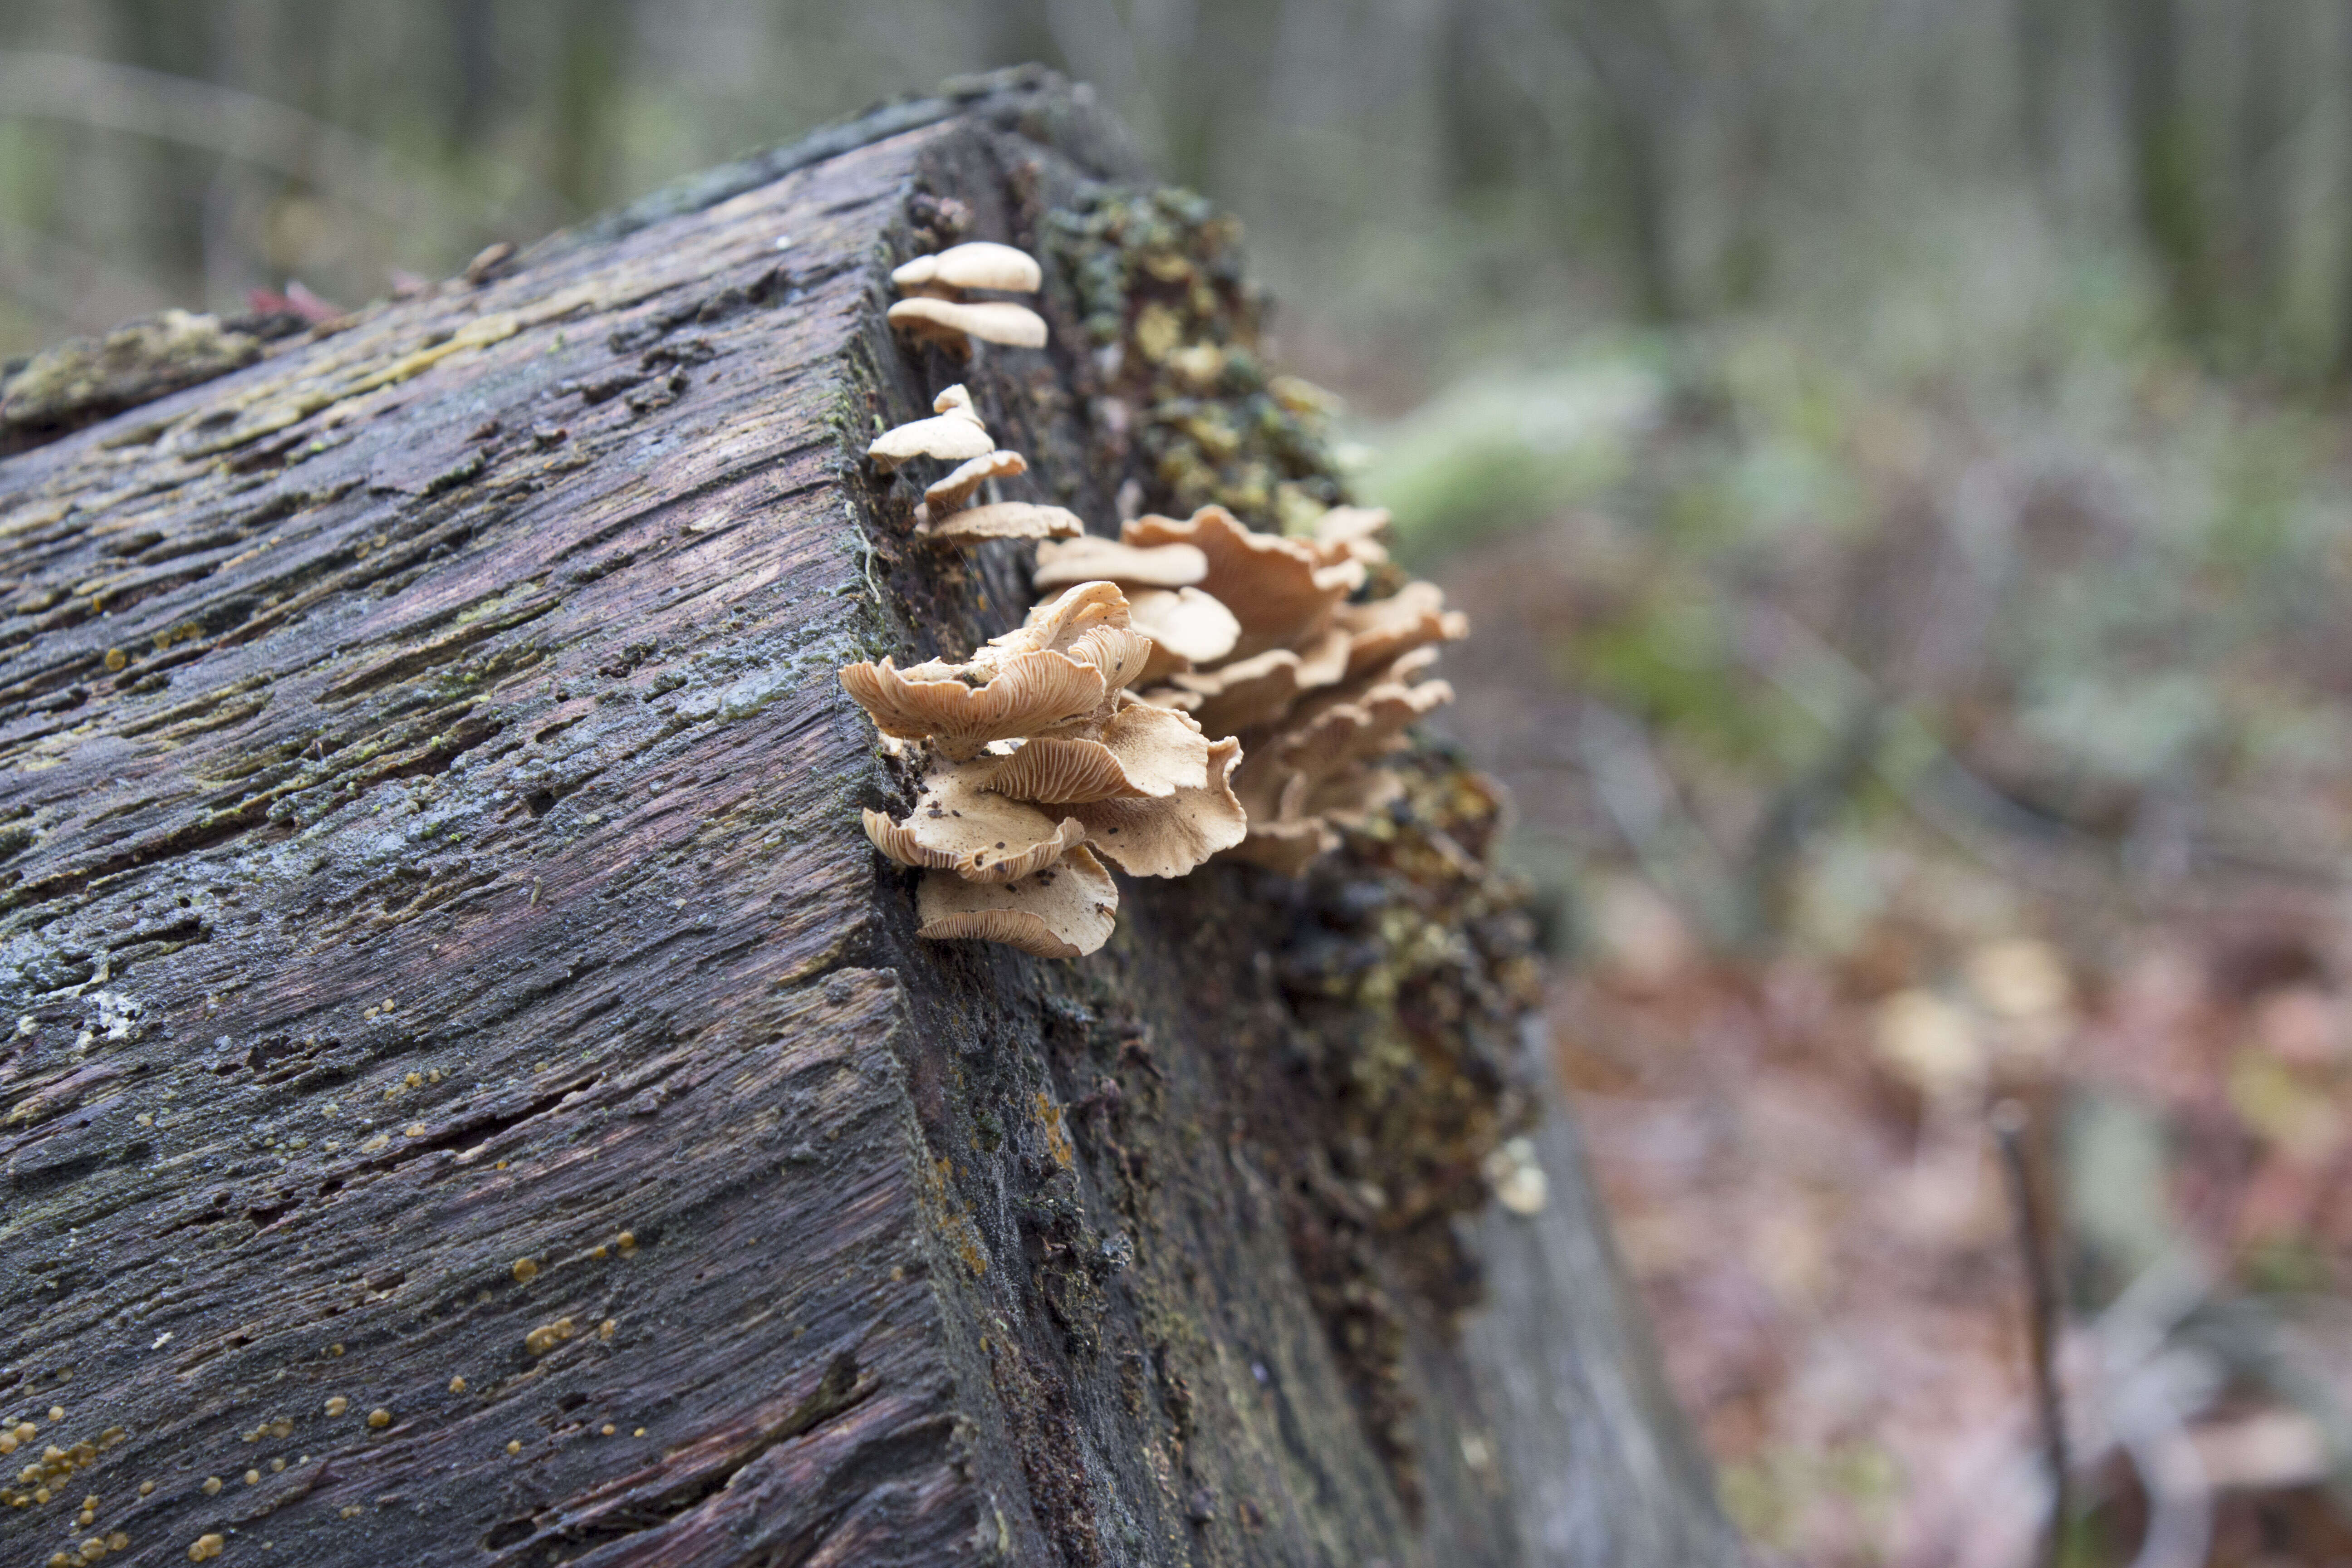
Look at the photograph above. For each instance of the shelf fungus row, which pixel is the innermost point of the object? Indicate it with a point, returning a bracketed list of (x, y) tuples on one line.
[(955, 433), (1261, 636), (1040, 765), (937, 308)]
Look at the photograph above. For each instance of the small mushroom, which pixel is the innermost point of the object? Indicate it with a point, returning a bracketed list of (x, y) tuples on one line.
[(958, 825), (975, 264), (1066, 910), (1089, 557), (953, 325), (954, 433), (1004, 520), (954, 493)]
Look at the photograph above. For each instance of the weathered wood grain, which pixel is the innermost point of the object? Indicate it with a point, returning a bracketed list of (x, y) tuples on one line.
[(449, 982)]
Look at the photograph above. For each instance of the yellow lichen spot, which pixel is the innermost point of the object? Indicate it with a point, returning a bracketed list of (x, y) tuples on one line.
[(335, 1350), (253, 1478), (57, 1412), (86, 1517), (59, 1560), (206, 1547), (283, 1427), (117, 1541), (116, 659), (380, 1140), (212, 1486), (8, 1437), (638, 1433), (276, 1465), (379, 1417), (605, 1329), (40, 1494), (433, 1076), (145, 1119), (456, 1385), (502, 1164), (607, 1429), (525, 1270), (627, 1242), (351, 1511), (547, 1336), (27, 1431), (414, 1130), (414, 1080), (597, 1252), (1057, 1141), (146, 1488), (514, 1445), (338, 1404)]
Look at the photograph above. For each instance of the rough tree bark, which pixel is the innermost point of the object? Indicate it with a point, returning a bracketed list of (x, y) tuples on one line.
[(474, 1096)]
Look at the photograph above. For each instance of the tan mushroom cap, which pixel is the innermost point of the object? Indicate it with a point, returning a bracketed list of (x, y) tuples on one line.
[(1169, 836), (1066, 910), (1411, 617), (1027, 694), (959, 825), (975, 264), (953, 493), (1141, 753), (1185, 621), (1352, 534), (1089, 556), (1279, 589), (952, 323), (1006, 520), (954, 433), (1252, 693)]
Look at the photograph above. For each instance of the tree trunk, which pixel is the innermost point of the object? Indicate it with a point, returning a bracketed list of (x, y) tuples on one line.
[(475, 1096)]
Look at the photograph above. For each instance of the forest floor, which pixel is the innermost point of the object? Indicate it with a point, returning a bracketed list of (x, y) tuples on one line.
[(1888, 748)]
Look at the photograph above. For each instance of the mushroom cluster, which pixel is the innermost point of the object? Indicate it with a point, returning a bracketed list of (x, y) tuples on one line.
[(936, 308), (1259, 636), (955, 433), (1040, 764)]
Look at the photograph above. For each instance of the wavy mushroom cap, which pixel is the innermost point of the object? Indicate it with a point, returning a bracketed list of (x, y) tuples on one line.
[(960, 825), (953, 323), (1140, 753), (1278, 589), (1089, 556), (1168, 836), (955, 436), (1352, 534), (1187, 628), (954, 493), (1414, 617), (975, 264), (1026, 694), (1253, 693), (1066, 910), (1004, 520)]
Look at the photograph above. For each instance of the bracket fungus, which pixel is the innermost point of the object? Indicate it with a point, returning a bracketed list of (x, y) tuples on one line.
[(1039, 759), (1318, 684), (936, 311)]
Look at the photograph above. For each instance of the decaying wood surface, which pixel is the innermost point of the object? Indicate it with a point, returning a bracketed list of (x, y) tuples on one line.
[(473, 1095)]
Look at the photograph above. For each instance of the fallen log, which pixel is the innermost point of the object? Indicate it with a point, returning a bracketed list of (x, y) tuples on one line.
[(474, 1096)]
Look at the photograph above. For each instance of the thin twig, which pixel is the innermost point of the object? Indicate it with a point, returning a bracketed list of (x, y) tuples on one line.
[(2008, 1122)]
